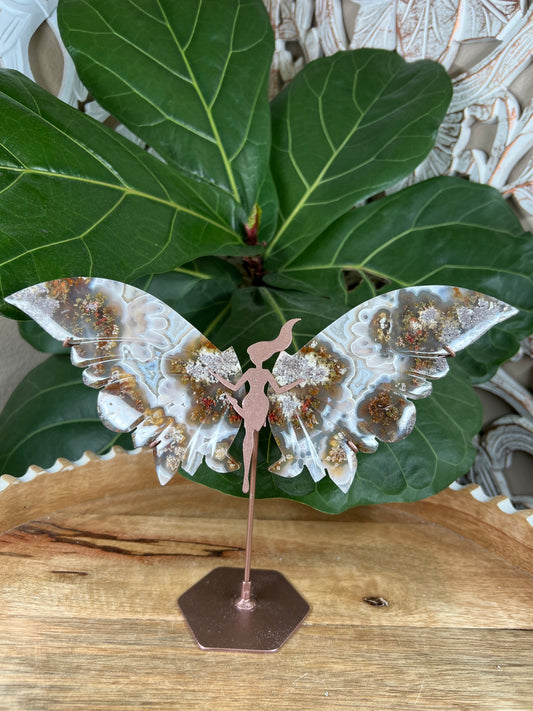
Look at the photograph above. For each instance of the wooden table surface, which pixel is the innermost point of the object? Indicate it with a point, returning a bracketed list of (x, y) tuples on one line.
[(88, 615)]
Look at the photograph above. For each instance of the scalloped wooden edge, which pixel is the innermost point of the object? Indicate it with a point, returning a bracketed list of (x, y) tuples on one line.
[(90, 477), (466, 510), (483, 520)]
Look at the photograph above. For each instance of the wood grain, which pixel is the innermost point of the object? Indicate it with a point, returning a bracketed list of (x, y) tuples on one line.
[(69, 483), (88, 615)]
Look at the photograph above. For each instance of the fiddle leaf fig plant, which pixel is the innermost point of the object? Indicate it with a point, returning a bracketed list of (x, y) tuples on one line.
[(242, 213)]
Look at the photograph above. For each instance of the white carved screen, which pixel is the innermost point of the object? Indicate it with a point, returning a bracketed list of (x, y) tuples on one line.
[(487, 135)]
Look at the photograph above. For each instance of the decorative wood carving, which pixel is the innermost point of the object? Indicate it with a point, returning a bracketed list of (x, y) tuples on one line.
[(496, 446), (30, 42)]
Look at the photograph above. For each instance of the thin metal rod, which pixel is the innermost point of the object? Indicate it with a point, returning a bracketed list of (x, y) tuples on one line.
[(251, 506), (246, 601)]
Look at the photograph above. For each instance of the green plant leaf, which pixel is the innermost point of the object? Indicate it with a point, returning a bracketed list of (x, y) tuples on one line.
[(51, 414), (76, 198), (40, 340), (256, 312), (442, 231), (190, 78), (347, 127)]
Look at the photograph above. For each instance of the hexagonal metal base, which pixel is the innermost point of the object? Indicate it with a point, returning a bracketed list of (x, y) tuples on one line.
[(218, 624)]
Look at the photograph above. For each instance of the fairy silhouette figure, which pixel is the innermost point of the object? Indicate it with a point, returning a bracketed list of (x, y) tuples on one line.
[(255, 404)]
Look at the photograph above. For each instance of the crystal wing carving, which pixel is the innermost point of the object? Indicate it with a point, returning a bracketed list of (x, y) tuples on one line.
[(153, 367), (347, 389), (361, 373)]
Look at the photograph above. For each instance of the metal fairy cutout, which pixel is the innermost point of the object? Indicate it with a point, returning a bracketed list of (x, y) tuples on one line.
[(349, 388), (255, 405)]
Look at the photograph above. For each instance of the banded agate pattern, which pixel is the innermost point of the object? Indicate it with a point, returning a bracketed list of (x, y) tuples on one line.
[(361, 373), (357, 378), (153, 367)]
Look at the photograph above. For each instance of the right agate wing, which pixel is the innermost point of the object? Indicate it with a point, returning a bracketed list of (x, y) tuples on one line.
[(155, 370), (361, 373)]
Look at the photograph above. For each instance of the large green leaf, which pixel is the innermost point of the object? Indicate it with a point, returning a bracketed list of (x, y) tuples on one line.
[(345, 128), (442, 231), (51, 414), (39, 338), (189, 77), (78, 199)]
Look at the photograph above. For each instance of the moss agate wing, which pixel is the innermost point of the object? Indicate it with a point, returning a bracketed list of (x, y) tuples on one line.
[(361, 373), (153, 367)]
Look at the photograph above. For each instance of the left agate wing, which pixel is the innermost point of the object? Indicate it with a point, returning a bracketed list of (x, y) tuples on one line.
[(153, 367), (359, 373)]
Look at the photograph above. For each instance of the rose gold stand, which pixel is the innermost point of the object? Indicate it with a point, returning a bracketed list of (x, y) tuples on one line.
[(217, 622), (243, 611)]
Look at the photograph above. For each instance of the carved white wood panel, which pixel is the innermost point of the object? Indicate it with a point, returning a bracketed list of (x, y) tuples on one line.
[(30, 42)]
